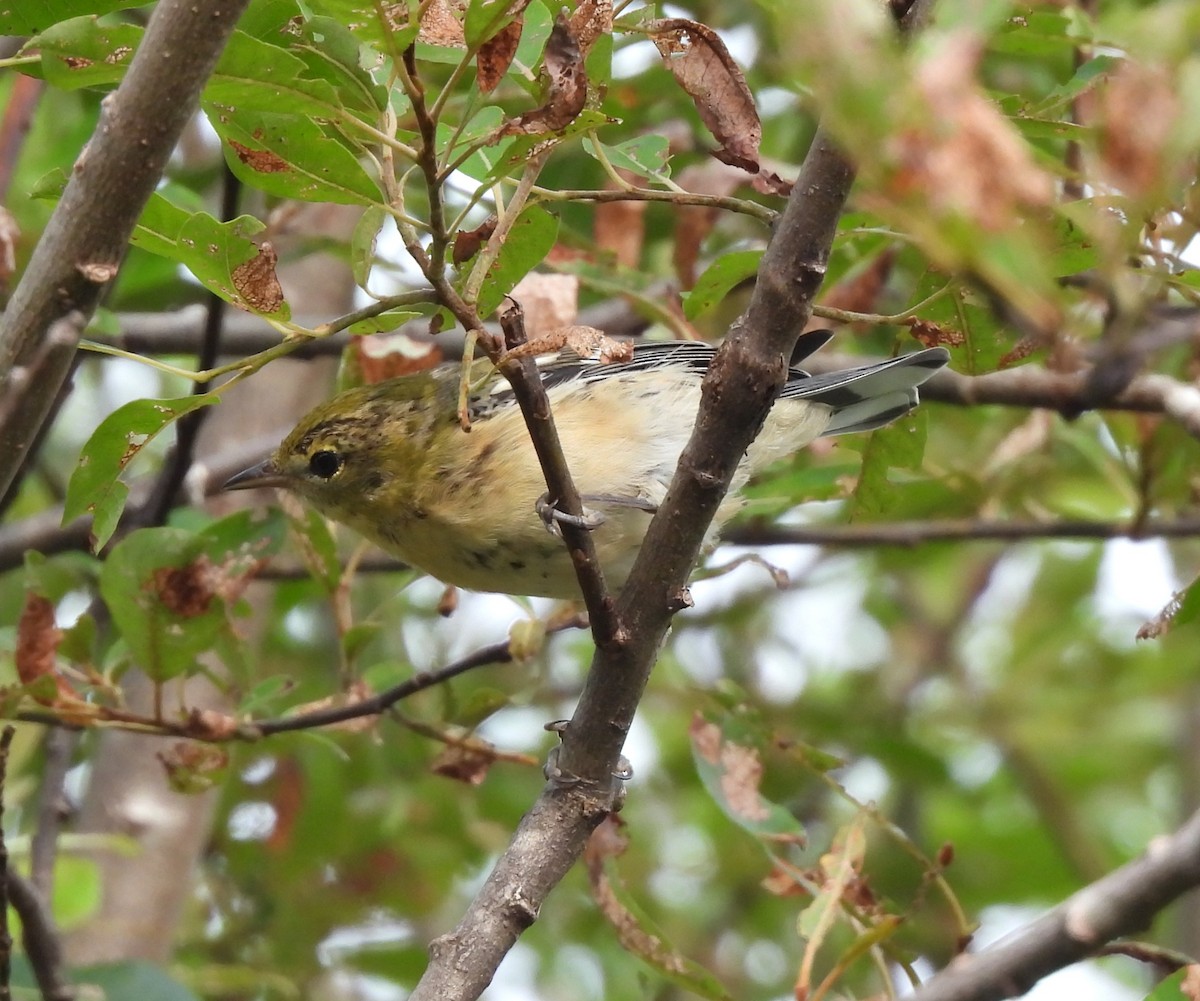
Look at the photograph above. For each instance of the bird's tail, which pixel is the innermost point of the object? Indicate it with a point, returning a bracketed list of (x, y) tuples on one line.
[(868, 397)]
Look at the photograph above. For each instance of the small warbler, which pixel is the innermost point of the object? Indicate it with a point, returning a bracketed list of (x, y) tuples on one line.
[(392, 461)]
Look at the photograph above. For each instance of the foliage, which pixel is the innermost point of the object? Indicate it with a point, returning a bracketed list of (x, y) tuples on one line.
[(837, 777)]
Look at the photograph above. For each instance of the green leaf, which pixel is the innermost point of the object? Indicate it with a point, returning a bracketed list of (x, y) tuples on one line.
[(381, 323), (133, 979), (362, 243), (291, 156), (485, 18), (84, 53), (390, 27), (726, 272), (168, 590), (254, 75), (76, 889), (94, 486), (1171, 988), (33, 16), (220, 255), (1188, 609), (899, 445), (529, 241), (333, 53), (647, 156)]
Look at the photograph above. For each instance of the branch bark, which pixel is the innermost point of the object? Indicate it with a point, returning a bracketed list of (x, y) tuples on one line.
[(85, 240), (1122, 902), (738, 392)]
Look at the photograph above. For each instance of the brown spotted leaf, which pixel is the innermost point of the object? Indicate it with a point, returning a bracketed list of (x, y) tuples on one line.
[(634, 930), (703, 67), (37, 647), (441, 24), (256, 282), (192, 767), (468, 242), (566, 86), (592, 18), (468, 763), (496, 55), (730, 766)]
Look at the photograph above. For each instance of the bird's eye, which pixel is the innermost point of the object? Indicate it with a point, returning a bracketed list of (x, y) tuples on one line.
[(324, 464)]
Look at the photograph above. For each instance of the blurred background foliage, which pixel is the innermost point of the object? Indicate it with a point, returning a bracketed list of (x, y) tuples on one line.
[(972, 724)]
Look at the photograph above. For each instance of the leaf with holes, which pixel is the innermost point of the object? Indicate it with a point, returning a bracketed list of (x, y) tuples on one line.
[(82, 52), (291, 156), (170, 591), (729, 764), (95, 487)]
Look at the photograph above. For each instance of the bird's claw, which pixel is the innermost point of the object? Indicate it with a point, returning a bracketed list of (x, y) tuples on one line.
[(552, 517), (621, 774)]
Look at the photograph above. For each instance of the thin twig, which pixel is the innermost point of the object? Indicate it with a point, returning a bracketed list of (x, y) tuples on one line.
[(59, 747), (221, 729), (42, 942), (522, 373)]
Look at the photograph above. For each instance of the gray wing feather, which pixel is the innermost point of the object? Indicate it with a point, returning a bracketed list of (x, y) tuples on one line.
[(862, 398)]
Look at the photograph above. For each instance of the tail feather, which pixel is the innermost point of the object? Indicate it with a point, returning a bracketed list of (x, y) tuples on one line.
[(871, 396)]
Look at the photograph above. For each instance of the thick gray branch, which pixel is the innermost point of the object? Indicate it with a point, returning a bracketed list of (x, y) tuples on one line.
[(85, 240), (1122, 902)]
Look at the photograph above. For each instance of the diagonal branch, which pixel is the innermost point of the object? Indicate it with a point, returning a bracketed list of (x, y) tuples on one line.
[(85, 240), (1121, 903)]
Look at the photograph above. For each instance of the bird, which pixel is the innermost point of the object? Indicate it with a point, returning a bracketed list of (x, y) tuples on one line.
[(393, 461)]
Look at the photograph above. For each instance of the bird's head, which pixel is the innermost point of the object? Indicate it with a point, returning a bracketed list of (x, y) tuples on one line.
[(347, 454)]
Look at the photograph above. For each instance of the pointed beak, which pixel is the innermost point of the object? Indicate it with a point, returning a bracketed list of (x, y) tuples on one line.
[(262, 475)]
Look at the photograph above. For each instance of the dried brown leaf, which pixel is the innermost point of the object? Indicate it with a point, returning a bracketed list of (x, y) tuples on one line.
[(468, 242), (441, 24), (592, 18), (1139, 111), (706, 739), (587, 342), (261, 160), (932, 334), (630, 933), (566, 86), (703, 67), (962, 156), (193, 767), (186, 591), (464, 763), (496, 55), (38, 639), (741, 777)]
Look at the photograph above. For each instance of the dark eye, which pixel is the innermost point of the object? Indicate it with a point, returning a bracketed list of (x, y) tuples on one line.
[(324, 464)]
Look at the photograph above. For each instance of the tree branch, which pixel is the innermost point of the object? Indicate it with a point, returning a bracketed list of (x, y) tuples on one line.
[(85, 240), (1121, 903)]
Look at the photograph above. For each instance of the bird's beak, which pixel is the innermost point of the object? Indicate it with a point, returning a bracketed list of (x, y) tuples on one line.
[(262, 475)]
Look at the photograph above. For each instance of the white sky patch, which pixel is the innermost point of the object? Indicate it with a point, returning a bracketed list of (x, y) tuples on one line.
[(1136, 578)]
